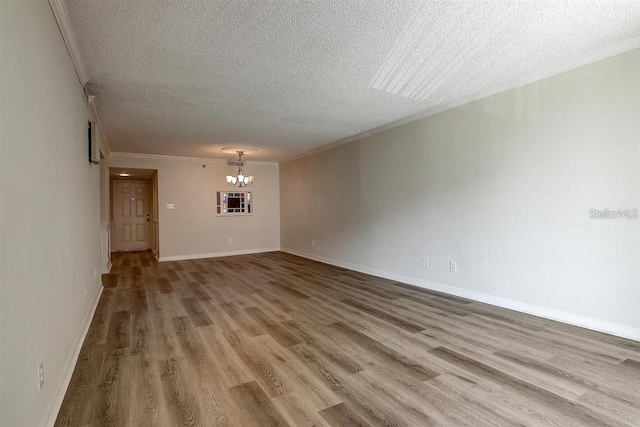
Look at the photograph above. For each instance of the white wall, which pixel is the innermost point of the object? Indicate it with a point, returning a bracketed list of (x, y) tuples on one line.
[(49, 212), (503, 186), (192, 229)]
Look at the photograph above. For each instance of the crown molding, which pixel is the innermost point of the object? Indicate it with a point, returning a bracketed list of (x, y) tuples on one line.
[(68, 36), (60, 12), (62, 17), (329, 146), (599, 55), (192, 159)]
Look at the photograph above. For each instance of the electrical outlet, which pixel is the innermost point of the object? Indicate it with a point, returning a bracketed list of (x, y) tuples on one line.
[(230, 240), (40, 375), (425, 262), (86, 290), (313, 243), (453, 266)]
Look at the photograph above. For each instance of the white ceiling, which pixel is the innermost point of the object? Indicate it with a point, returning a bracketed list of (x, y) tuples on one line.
[(187, 78)]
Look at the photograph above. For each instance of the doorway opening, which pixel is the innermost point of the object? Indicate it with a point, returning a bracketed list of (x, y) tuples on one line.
[(134, 210)]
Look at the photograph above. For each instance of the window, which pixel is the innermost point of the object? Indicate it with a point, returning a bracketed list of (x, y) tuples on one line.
[(234, 203)]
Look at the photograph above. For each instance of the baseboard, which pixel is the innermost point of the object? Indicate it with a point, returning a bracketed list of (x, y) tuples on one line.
[(107, 269), (547, 313), (63, 383), (216, 254)]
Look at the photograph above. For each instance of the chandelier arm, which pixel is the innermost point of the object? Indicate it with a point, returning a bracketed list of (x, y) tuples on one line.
[(240, 180)]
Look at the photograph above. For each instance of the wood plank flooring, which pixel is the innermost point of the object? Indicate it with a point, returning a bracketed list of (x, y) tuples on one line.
[(275, 340)]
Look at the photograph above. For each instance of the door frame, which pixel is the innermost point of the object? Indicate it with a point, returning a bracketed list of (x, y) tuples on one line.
[(136, 174)]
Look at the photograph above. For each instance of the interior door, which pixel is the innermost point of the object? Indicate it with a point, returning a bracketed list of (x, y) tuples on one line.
[(132, 209)]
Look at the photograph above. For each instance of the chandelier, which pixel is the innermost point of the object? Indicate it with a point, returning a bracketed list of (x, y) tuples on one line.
[(240, 180)]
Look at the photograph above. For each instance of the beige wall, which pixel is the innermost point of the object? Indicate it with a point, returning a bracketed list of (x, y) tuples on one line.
[(49, 212), (502, 186), (192, 229)]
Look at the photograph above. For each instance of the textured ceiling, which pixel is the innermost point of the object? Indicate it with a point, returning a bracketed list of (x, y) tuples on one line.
[(187, 78)]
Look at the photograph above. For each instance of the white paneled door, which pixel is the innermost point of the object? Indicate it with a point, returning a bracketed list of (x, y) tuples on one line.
[(132, 209)]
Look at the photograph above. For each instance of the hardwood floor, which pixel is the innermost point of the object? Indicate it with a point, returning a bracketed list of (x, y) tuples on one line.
[(274, 340)]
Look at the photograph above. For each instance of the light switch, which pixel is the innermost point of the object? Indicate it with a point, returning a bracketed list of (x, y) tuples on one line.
[(170, 206)]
